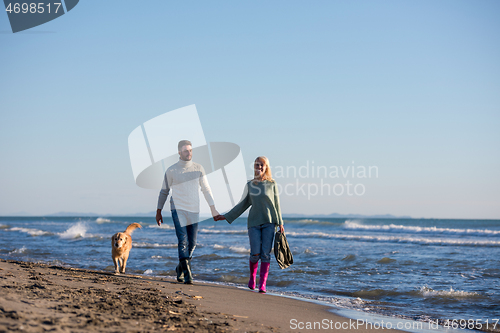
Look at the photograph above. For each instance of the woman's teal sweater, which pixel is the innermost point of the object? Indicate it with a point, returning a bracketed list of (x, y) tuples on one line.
[(264, 199)]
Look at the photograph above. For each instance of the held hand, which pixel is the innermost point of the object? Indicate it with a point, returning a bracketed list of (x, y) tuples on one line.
[(282, 229), (159, 218), (219, 218), (214, 211)]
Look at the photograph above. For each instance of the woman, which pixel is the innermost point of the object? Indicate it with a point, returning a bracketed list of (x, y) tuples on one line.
[(262, 194)]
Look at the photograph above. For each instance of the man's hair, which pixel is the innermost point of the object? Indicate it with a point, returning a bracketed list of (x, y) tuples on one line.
[(183, 143)]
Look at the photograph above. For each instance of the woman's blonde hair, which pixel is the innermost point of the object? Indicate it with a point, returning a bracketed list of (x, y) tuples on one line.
[(267, 173)]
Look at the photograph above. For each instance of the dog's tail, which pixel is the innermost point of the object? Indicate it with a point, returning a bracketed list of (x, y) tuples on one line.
[(132, 227)]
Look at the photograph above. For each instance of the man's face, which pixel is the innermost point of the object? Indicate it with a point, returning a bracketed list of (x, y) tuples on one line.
[(186, 153)]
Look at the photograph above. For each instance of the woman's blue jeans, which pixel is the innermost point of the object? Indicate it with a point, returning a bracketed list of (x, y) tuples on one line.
[(261, 242), (186, 229)]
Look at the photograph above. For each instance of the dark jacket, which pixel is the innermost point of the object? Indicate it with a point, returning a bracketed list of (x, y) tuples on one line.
[(282, 250)]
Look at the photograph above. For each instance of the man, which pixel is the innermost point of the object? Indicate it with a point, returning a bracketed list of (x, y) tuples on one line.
[(185, 178)]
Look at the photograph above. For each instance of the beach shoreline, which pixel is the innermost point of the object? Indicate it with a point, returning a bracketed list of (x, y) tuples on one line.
[(38, 297), (404, 270)]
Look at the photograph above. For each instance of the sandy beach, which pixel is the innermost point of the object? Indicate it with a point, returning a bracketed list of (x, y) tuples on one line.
[(40, 298)]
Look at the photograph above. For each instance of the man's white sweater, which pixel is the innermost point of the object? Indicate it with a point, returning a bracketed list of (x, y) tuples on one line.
[(184, 179)]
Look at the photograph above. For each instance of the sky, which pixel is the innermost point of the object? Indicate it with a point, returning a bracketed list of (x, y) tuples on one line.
[(408, 88)]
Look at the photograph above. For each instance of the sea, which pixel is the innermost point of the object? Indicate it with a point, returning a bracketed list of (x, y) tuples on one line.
[(417, 269)]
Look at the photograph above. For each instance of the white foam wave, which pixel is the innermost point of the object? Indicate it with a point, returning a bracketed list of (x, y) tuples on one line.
[(79, 230), (354, 225), (32, 232), (398, 239), (21, 250), (210, 231), (163, 226), (429, 292), (152, 245), (349, 303), (148, 272), (239, 249), (102, 220)]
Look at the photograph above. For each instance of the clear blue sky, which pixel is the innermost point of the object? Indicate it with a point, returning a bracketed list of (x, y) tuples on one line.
[(411, 87)]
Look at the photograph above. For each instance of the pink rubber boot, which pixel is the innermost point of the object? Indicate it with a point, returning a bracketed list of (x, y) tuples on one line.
[(253, 274), (264, 272)]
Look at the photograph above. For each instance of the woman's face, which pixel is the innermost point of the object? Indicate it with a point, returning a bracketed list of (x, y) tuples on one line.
[(259, 168)]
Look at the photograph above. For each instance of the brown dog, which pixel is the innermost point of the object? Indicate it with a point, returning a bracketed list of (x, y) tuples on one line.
[(121, 244)]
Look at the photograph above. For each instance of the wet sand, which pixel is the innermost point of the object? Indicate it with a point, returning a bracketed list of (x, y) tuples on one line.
[(40, 298)]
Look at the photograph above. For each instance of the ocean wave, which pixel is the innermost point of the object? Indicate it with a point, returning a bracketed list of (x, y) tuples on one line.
[(153, 245), (79, 230), (102, 220), (30, 231), (163, 226), (311, 222), (342, 302), (369, 295), (19, 251), (397, 239), (349, 303), (429, 292), (210, 231), (354, 225), (237, 249)]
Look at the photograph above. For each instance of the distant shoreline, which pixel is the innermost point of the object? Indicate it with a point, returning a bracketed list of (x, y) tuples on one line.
[(286, 216), (153, 213)]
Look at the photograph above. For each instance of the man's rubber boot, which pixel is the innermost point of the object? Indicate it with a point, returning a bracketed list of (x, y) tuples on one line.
[(264, 272), (180, 273), (186, 269), (253, 274)]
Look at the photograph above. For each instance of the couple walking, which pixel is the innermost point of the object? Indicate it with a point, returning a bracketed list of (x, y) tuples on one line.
[(185, 178)]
